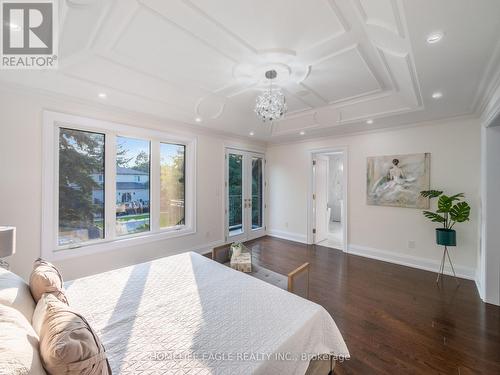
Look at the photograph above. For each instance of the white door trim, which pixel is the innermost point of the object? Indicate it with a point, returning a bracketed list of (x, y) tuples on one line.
[(345, 204)]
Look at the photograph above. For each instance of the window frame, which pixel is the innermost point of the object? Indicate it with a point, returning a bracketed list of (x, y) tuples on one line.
[(52, 122)]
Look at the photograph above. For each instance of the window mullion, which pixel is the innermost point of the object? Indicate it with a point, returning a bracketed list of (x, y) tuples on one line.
[(110, 186)]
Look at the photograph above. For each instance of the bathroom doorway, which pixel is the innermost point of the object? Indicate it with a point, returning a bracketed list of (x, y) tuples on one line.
[(328, 219)]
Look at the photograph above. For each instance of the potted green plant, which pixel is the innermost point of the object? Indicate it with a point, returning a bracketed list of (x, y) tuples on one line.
[(236, 248), (450, 210)]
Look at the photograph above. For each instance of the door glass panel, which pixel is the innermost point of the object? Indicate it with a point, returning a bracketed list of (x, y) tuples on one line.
[(132, 185), (235, 190), (257, 188)]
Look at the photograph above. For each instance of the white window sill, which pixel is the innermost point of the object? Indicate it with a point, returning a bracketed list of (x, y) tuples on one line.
[(103, 246)]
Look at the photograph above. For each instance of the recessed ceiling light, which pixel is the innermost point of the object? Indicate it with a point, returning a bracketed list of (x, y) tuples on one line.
[(369, 122), (251, 133), (435, 37), (102, 95), (437, 95), (302, 132), (197, 119)]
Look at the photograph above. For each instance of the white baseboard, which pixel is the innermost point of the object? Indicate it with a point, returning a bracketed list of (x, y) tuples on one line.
[(479, 286), (482, 292), (302, 238), (411, 261), (387, 256)]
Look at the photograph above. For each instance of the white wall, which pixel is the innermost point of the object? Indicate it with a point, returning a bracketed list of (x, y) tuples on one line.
[(455, 160), (489, 257), (20, 185), (384, 232)]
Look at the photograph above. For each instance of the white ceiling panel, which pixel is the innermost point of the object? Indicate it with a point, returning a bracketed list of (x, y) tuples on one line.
[(158, 45), (286, 24), (383, 13), (107, 74), (342, 76), (295, 103)]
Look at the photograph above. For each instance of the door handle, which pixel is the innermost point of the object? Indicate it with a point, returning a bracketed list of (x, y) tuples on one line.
[(247, 203)]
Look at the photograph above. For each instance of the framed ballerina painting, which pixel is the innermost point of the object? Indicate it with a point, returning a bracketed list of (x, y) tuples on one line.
[(397, 180)]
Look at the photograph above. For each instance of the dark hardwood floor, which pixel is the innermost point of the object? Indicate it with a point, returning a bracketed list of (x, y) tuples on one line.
[(394, 319)]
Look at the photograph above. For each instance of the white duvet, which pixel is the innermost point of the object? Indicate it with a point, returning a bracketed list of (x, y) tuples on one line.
[(186, 314)]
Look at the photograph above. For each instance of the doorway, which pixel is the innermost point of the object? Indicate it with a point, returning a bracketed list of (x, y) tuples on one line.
[(328, 219), (245, 207)]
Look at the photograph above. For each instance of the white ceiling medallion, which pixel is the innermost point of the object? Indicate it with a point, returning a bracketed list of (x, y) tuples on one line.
[(271, 105)]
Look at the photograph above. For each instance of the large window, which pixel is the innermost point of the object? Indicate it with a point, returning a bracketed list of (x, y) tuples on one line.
[(172, 185), (81, 186), (132, 193), (106, 182)]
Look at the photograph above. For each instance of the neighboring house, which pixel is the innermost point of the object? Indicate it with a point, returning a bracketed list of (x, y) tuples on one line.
[(131, 186)]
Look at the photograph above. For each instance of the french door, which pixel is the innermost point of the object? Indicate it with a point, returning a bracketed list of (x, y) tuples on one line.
[(245, 204)]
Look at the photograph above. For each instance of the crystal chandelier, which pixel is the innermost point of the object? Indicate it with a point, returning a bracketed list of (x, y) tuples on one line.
[(271, 105)]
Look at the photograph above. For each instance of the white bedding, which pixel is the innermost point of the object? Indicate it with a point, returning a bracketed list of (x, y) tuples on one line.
[(186, 314)]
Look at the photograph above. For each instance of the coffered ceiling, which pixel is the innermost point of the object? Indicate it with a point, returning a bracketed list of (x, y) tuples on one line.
[(344, 65)]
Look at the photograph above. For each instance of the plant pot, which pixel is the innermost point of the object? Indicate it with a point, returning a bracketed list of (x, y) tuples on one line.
[(446, 237)]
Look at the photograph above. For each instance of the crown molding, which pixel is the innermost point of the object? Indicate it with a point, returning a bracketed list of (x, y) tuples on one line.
[(462, 117), (492, 116), (486, 103)]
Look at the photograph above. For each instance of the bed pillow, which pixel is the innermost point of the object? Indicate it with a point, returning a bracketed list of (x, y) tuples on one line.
[(18, 344), (14, 292), (68, 345), (46, 278)]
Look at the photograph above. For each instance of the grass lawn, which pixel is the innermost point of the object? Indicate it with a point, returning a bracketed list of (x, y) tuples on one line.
[(132, 217)]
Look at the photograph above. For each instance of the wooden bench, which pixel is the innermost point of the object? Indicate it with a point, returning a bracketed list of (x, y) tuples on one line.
[(296, 281)]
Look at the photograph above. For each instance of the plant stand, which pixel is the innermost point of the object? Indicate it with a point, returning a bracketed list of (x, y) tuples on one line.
[(441, 268)]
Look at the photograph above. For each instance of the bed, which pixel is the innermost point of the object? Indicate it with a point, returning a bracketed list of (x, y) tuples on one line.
[(188, 314)]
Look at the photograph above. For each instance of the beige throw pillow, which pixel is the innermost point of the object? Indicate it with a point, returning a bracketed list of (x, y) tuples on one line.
[(18, 344), (46, 278), (68, 345), (15, 292)]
